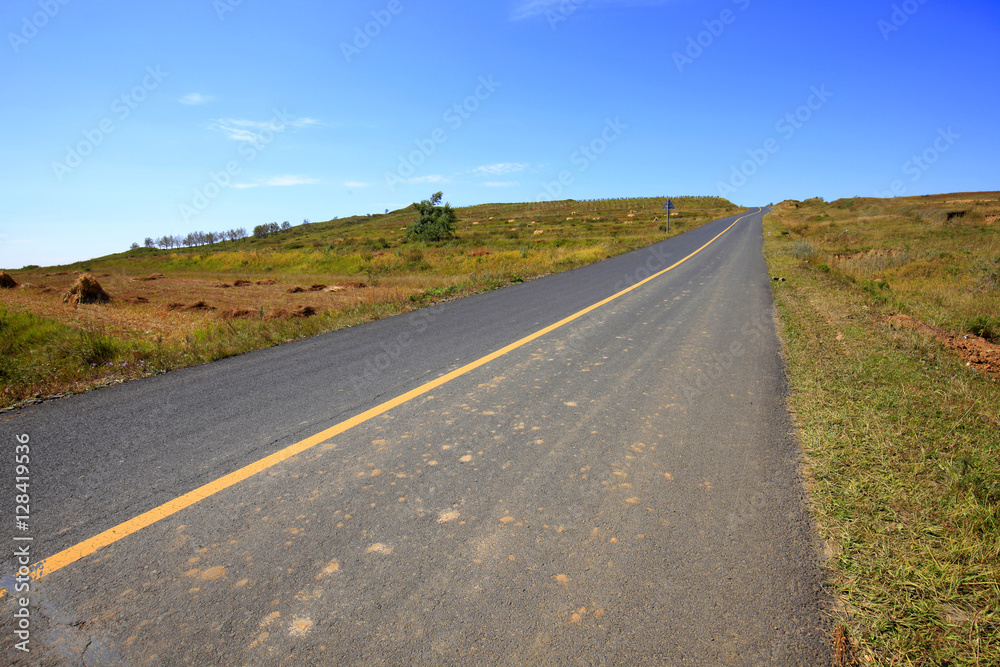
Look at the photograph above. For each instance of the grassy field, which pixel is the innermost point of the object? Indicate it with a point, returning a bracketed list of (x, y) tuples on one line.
[(901, 432), (178, 307)]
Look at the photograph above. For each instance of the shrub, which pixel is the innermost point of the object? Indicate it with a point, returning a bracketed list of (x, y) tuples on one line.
[(436, 223), (985, 326)]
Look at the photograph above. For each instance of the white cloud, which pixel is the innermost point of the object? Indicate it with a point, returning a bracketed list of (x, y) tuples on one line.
[(433, 178), (240, 129), (281, 181), (195, 99), (278, 181), (500, 168), (524, 9), (501, 184)]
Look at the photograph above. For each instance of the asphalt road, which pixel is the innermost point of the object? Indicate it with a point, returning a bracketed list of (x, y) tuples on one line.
[(622, 489)]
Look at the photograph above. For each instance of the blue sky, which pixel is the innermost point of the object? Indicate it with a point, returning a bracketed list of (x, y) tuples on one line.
[(123, 120)]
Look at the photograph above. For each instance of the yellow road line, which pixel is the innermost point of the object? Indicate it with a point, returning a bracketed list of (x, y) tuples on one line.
[(83, 549)]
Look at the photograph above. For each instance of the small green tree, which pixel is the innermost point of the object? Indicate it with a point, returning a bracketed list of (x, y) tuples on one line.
[(436, 222)]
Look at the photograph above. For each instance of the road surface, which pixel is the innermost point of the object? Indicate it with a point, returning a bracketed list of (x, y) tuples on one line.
[(592, 468)]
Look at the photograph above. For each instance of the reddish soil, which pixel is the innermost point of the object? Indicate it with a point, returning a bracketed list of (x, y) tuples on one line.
[(975, 351), (173, 306)]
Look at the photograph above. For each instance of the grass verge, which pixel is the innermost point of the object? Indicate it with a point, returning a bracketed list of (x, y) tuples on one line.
[(902, 439)]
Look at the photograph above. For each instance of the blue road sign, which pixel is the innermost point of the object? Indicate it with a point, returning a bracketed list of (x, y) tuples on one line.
[(669, 205)]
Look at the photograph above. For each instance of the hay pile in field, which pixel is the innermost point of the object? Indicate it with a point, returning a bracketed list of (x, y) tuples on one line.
[(237, 313), (6, 281), (199, 305), (86, 289), (282, 313)]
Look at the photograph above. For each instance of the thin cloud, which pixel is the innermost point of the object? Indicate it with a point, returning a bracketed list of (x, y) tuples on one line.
[(277, 182), (500, 168), (432, 178), (526, 9), (241, 129), (195, 99), (282, 181)]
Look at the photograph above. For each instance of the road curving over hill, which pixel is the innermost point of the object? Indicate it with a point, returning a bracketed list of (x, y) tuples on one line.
[(595, 467)]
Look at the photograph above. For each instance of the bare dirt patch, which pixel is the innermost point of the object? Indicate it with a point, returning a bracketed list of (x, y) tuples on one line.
[(150, 309), (977, 352)]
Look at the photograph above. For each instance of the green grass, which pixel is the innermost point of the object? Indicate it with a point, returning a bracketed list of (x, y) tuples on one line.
[(902, 440), (41, 356)]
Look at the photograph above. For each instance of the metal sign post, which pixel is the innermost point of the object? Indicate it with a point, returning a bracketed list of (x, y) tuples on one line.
[(668, 207)]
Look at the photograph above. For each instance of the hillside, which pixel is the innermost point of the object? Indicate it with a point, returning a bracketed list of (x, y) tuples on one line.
[(171, 308)]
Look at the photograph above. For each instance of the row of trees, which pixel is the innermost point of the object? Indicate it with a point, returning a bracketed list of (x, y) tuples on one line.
[(210, 238), (193, 239), (263, 231)]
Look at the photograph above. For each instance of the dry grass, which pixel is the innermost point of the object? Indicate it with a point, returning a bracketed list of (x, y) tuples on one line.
[(172, 308), (901, 436), (938, 257)]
